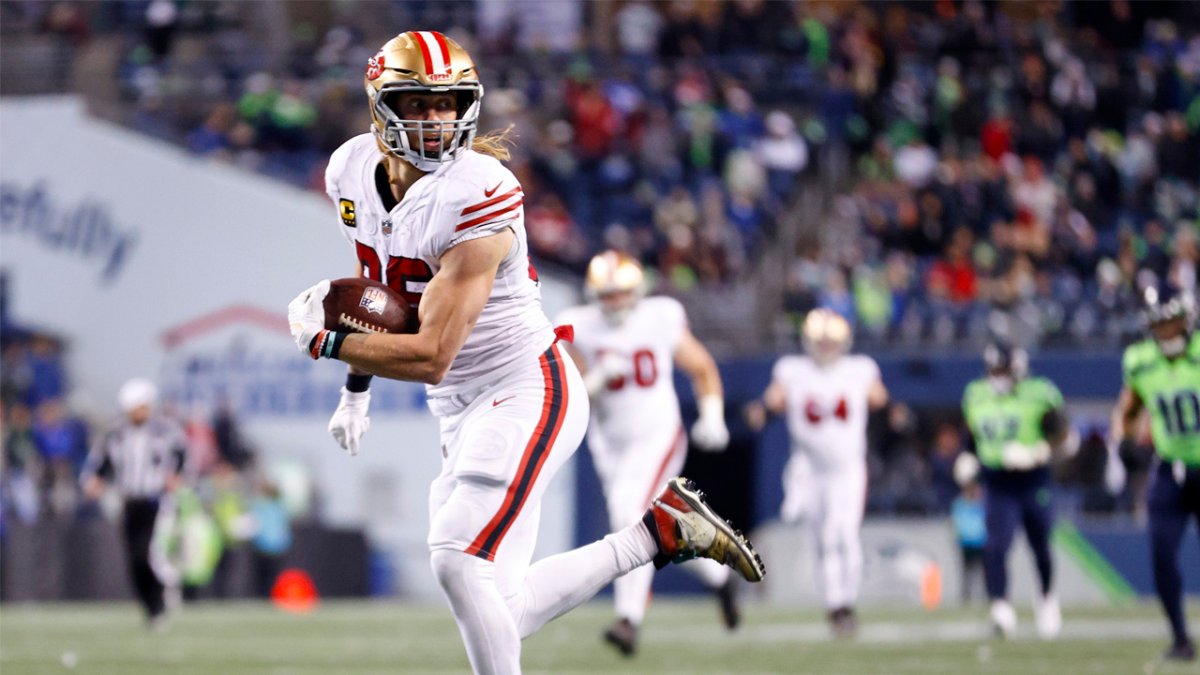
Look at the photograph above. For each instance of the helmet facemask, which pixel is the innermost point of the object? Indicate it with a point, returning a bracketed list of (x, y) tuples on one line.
[(453, 136), (1005, 367), (1169, 316), (826, 336)]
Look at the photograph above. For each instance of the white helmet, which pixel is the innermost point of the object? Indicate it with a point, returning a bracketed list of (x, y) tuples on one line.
[(826, 335), (616, 281)]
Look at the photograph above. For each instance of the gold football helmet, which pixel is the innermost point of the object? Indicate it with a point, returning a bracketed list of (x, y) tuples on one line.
[(826, 335), (616, 281), (423, 61)]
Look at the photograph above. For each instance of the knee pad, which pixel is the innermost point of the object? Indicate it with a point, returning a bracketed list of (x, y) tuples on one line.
[(458, 572)]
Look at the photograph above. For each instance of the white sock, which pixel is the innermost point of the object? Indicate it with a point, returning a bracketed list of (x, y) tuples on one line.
[(560, 582), (631, 594), (487, 628)]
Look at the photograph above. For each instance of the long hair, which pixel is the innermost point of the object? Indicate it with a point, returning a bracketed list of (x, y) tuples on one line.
[(495, 143)]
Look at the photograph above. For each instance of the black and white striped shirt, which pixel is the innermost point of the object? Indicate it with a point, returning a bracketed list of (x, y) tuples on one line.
[(138, 459)]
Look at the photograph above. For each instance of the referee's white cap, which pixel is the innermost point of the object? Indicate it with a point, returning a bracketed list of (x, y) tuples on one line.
[(136, 393)]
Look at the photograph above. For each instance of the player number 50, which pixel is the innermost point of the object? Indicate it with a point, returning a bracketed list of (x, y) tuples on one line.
[(645, 371)]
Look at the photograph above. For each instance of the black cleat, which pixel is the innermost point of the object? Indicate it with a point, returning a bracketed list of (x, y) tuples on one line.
[(731, 616), (844, 623), (622, 635), (1181, 651)]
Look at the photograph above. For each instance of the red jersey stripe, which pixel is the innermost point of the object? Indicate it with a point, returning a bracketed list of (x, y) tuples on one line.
[(488, 216), (660, 477), (494, 200)]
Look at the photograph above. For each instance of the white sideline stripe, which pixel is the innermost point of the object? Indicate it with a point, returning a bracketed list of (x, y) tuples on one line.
[(892, 632)]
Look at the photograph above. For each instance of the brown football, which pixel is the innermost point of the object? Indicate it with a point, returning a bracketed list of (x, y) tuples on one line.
[(360, 305)]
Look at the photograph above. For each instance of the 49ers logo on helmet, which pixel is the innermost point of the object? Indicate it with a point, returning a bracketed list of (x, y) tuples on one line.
[(374, 66)]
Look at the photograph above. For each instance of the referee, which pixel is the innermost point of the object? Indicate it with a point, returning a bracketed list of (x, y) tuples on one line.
[(142, 456)]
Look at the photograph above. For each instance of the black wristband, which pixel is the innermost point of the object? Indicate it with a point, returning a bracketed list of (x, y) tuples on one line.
[(336, 338), (357, 384)]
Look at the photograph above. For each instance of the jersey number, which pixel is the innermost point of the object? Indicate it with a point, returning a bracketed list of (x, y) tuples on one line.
[(1000, 428), (645, 371), (406, 276), (1181, 413), (814, 414)]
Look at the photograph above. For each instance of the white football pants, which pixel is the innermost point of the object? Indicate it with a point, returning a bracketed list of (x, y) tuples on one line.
[(501, 448), (632, 476), (832, 501)]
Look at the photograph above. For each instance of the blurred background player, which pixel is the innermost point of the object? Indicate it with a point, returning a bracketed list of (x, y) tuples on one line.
[(627, 345), (142, 455), (511, 409), (1162, 376), (970, 525), (827, 395), (1015, 421)]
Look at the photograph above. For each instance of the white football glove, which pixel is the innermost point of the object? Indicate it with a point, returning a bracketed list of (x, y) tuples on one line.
[(306, 315), (709, 433), (350, 421), (608, 368), (1114, 469)]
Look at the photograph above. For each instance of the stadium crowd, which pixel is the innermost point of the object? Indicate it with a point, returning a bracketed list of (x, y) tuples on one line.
[(1016, 168), (1004, 168)]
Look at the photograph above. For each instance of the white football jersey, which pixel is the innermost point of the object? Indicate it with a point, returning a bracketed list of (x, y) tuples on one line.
[(827, 407), (471, 197), (645, 397)]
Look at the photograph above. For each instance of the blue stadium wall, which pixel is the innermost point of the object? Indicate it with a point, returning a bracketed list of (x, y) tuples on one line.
[(744, 481)]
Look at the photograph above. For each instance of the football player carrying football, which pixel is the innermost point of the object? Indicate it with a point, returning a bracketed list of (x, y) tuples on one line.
[(826, 395), (429, 210), (1162, 376), (626, 345)]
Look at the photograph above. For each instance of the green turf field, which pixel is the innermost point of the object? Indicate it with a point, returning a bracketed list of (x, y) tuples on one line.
[(679, 637)]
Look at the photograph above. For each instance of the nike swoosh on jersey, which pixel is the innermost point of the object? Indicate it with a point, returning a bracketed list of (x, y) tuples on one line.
[(489, 193), (498, 401)]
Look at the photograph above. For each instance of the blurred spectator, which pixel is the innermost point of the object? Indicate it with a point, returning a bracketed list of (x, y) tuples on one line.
[(62, 445), (970, 529), (231, 447), (272, 535), (947, 446)]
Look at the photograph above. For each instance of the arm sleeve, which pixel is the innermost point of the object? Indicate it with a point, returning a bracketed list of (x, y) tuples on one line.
[(675, 319), (346, 209), (99, 462), (1129, 363), (1053, 397), (871, 371)]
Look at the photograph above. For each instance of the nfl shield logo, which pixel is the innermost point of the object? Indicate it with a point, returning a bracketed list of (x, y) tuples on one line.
[(373, 300), (387, 226)]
